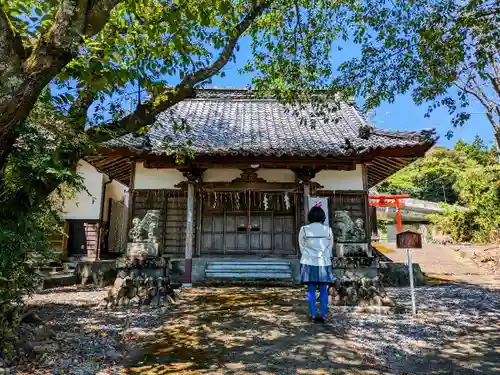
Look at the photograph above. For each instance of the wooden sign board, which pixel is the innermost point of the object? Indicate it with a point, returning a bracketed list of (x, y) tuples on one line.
[(409, 240)]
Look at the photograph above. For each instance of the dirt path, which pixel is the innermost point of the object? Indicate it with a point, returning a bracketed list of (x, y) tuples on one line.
[(445, 263), (265, 331)]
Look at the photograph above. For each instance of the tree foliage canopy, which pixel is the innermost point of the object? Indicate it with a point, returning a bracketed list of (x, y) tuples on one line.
[(112, 66), (445, 52)]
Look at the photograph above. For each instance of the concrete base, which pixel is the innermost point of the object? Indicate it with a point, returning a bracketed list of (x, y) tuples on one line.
[(142, 249), (177, 270)]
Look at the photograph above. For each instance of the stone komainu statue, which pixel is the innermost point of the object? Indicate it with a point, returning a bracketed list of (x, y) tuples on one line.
[(347, 230), (145, 230)]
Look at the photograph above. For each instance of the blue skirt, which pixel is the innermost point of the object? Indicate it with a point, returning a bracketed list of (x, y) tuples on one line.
[(316, 274)]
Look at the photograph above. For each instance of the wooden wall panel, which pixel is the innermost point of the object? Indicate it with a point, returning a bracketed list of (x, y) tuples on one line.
[(173, 214), (175, 229)]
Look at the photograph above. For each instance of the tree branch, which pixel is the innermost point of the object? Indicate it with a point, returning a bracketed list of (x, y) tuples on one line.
[(495, 79), (225, 55), (79, 109), (146, 113), (72, 20), (464, 87), (99, 15)]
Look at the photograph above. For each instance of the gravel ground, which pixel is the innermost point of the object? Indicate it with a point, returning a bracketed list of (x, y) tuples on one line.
[(78, 338), (265, 331)]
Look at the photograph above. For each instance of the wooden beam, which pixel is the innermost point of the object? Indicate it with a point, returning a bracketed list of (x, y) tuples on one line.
[(377, 173), (389, 164), (413, 151)]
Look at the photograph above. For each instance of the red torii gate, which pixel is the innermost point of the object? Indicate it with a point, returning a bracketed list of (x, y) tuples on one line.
[(389, 200)]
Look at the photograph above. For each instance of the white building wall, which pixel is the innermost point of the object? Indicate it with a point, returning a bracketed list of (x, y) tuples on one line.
[(117, 192), (86, 206), (277, 175), (221, 175), (341, 180), (228, 175), (147, 178)]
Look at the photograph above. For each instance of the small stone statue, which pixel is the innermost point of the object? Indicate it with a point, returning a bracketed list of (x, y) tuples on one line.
[(134, 232), (152, 232), (359, 230)]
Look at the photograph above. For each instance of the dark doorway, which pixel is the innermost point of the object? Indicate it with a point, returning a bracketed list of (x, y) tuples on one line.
[(77, 241)]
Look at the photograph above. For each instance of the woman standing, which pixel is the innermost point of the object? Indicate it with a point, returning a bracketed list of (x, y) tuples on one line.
[(316, 242)]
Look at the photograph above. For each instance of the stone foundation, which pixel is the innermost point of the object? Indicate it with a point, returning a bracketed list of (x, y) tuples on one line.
[(359, 287), (135, 288)]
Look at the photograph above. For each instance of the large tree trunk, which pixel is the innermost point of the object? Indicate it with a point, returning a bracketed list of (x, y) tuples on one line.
[(25, 73), (497, 140)]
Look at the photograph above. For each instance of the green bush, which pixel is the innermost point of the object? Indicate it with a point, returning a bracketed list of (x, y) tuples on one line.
[(30, 212), (467, 176), (456, 223)]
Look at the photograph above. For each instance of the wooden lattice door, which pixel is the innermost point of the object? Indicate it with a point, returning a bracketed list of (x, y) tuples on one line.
[(225, 229), (117, 236)]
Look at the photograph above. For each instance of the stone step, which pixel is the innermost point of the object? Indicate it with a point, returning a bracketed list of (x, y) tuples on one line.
[(71, 265), (245, 266), (268, 269), (250, 275), (60, 279)]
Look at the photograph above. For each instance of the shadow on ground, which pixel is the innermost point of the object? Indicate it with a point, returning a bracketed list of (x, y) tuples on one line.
[(265, 331)]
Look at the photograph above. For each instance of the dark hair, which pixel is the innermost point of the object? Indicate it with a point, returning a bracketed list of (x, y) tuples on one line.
[(316, 215)]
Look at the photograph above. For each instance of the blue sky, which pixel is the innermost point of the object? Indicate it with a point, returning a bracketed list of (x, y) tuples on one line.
[(403, 114)]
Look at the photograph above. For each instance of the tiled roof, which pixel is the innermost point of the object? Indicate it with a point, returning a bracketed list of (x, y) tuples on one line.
[(233, 122)]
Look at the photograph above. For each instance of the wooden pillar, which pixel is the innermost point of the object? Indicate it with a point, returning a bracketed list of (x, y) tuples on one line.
[(398, 216), (131, 196), (306, 175), (193, 175), (366, 188), (307, 193), (373, 221), (188, 250)]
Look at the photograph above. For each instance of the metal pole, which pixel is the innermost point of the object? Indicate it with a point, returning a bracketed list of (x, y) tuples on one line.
[(412, 288)]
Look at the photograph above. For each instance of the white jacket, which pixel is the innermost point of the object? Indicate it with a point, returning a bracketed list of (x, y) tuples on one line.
[(316, 243)]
